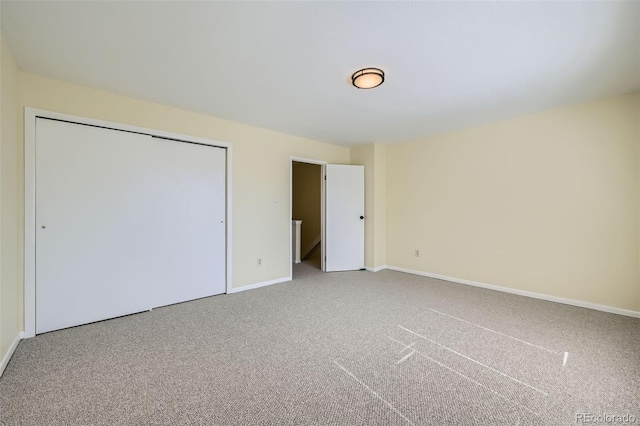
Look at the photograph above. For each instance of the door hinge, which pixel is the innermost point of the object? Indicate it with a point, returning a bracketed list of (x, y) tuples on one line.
[(325, 177)]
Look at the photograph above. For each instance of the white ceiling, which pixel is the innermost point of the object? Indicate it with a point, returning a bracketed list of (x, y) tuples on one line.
[(286, 66)]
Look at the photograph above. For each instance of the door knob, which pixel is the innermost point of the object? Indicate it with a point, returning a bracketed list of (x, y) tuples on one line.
[(361, 217)]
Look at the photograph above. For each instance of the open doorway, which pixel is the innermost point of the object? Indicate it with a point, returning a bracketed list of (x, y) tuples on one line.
[(306, 210)]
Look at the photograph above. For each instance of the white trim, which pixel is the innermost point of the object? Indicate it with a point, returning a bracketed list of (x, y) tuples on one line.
[(579, 303), (30, 115), (323, 165), (307, 160), (376, 269), (290, 216), (10, 352), (323, 219), (262, 284), (29, 222), (229, 271)]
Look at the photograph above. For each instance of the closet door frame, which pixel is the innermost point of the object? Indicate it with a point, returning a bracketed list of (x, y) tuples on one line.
[(30, 117)]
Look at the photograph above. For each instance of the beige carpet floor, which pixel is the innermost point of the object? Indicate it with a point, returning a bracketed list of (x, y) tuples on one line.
[(353, 348)]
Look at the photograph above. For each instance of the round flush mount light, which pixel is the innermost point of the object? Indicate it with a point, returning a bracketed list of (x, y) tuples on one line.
[(367, 78)]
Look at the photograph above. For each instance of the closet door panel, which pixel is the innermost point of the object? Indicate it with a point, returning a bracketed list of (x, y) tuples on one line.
[(189, 237), (93, 260)]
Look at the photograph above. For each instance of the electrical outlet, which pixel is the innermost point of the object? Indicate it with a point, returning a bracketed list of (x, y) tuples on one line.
[(259, 261), (417, 253)]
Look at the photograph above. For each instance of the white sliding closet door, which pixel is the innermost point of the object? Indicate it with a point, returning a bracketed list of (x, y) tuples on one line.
[(92, 230), (188, 221), (124, 222)]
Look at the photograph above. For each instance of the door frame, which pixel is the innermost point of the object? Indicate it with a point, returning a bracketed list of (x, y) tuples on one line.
[(322, 165), (30, 117)]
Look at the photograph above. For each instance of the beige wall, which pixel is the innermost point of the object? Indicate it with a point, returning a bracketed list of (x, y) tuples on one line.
[(261, 165), (10, 247), (307, 202), (380, 205), (547, 203), (372, 157)]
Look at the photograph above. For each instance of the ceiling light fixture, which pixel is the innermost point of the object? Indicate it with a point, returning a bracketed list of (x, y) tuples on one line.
[(367, 78)]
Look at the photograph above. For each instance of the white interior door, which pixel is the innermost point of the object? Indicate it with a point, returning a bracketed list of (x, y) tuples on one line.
[(344, 248), (92, 236), (188, 238)]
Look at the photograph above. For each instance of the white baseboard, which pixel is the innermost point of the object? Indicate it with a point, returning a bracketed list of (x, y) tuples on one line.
[(579, 303), (376, 269), (313, 245), (258, 285), (9, 354)]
